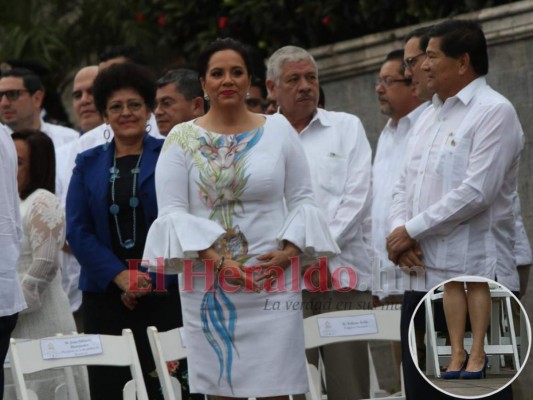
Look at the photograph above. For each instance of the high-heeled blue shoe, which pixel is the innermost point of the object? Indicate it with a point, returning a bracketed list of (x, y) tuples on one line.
[(455, 374), (482, 373)]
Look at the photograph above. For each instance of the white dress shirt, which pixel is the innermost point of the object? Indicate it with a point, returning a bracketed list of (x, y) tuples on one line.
[(339, 157), (455, 195), (522, 248), (70, 272), (60, 135), (11, 297), (388, 165)]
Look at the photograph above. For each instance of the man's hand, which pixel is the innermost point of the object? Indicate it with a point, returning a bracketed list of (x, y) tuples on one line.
[(411, 258), (398, 242)]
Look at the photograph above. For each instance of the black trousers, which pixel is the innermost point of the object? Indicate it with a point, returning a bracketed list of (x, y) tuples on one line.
[(104, 313), (416, 387), (7, 324)]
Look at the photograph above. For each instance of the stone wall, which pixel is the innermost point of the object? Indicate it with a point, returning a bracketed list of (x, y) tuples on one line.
[(349, 69)]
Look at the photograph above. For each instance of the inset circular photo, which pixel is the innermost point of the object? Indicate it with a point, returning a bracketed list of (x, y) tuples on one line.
[(470, 337)]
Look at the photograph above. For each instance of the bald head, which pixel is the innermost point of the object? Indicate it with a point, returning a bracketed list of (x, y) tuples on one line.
[(111, 61), (82, 99)]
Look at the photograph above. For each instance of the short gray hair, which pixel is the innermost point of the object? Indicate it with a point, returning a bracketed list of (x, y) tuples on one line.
[(186, 81), (286, 54)]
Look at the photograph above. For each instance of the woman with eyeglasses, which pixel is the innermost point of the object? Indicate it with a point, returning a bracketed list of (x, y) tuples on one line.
[(111, 204)]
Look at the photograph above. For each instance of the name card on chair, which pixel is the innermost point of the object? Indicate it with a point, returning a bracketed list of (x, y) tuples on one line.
[(71, 347), (347, 326)]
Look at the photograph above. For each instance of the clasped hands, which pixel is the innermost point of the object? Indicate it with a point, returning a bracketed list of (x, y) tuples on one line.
[(279, 258), (403, 250), (130, 290)]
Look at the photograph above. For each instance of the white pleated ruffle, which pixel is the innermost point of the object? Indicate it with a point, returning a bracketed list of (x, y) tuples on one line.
[(177, 237), (306, 227)]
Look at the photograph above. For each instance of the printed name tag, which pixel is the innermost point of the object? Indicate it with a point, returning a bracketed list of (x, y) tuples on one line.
[(71, 347), (347, 326)]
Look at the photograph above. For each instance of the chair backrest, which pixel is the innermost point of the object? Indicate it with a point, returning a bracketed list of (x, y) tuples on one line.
[(346, 326), (26, 357), (349, 325), (167, 346)]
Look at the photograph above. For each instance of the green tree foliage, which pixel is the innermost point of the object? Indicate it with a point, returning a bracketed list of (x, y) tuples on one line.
[(64, 35)]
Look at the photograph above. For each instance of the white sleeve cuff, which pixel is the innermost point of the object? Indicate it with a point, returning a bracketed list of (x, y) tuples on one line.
[(416, 226), (306, 228), (176, 237)]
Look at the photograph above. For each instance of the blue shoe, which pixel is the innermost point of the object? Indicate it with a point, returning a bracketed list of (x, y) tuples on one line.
[(482, 373), (455, 374)]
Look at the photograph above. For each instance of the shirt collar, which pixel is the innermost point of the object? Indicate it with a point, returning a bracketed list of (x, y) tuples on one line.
[(409, 118), (465, 94), (321, 117), (413, 115)]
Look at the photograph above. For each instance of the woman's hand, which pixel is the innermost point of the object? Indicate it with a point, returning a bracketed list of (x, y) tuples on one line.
[(125, 281), (277, 258), (129, 300), (236, 274), (132, 288)]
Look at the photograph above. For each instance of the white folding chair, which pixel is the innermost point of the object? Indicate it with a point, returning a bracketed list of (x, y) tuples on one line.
[(387, 327), (497, 346), (167, 346), (64, 391), (26, 357)]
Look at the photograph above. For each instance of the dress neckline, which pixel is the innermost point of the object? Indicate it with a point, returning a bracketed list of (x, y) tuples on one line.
[(193, 122)]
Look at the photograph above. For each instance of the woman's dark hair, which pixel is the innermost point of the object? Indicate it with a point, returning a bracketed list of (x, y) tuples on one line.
[(42, 161), (124, 76), (223, 44)]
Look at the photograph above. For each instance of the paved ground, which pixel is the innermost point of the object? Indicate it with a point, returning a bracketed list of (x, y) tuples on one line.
[(473, 387), (522, 386)]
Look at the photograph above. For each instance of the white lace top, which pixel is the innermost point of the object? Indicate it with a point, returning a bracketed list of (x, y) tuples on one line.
[(48, 312), (43, 223)]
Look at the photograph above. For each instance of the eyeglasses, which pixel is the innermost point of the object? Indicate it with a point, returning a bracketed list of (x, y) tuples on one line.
[(388, 82), (118, 108), (409, 63), (12, 95)]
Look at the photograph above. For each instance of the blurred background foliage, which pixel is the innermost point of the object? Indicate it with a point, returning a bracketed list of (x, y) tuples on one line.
[(61, 36)]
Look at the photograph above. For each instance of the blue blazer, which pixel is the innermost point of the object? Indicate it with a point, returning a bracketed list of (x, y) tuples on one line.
[(87, 211)]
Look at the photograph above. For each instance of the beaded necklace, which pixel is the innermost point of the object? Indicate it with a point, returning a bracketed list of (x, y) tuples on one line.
[(134, 200)]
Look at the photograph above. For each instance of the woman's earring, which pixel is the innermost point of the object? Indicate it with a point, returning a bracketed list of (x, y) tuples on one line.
[(148, 128), (247, 95), (107, 136), (206, 97)]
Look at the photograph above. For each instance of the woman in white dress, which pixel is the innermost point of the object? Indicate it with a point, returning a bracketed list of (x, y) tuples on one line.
[(224, 183), (43, 225)]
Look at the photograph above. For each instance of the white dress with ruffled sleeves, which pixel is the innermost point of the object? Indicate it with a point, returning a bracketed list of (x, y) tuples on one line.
[(244, 194)]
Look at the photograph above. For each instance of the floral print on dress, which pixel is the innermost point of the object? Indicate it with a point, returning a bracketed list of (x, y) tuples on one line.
[(221, 161)]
